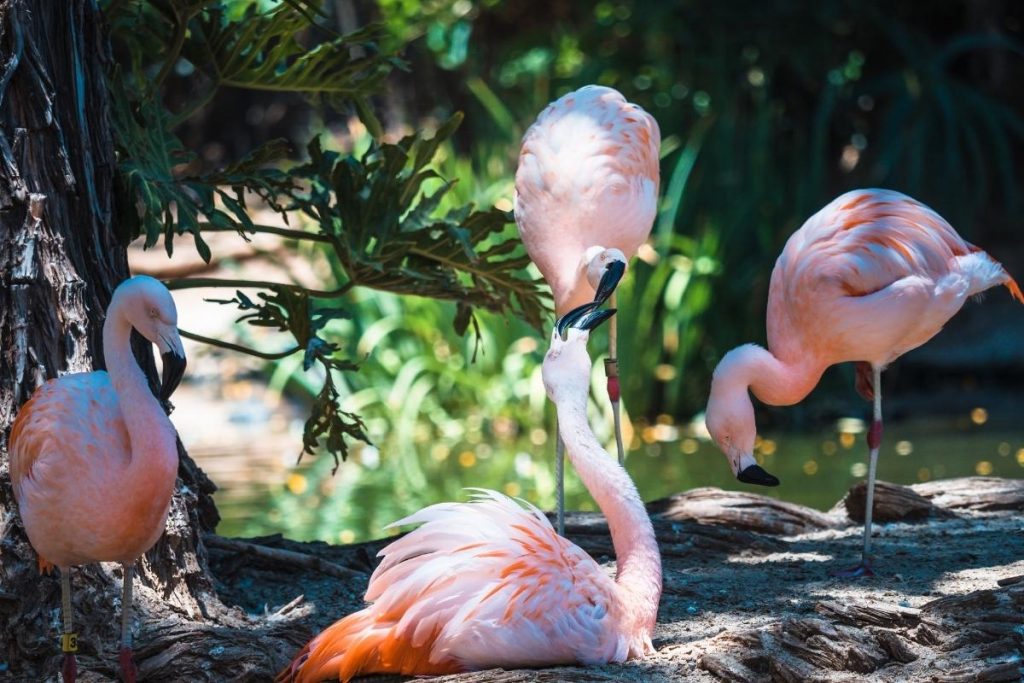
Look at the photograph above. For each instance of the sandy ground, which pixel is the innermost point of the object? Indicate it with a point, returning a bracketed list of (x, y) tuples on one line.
[(731, 595)]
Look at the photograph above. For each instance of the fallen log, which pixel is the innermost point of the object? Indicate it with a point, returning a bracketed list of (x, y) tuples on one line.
[(974, 493), (742, 510), (893, 503)]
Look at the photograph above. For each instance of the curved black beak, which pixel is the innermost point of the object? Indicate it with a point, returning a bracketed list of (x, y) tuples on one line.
[(173, 370), (755, 474), (586, 317), (613, 273)]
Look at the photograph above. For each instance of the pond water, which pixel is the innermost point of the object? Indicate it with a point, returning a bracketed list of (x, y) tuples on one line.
[(816, 469)]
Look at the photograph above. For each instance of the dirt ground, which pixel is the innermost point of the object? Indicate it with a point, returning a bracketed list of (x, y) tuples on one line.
[(748, 594)]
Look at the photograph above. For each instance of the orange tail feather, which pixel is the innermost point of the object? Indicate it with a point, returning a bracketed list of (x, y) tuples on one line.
[(1015, 292), (359, 645)]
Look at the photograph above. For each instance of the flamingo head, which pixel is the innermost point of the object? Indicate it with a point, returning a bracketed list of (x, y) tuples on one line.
[(604, 268), (566, 369), (150, 309), (730, 421)]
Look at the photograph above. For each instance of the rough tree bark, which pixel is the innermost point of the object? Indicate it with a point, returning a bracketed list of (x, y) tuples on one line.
[(60, 259)]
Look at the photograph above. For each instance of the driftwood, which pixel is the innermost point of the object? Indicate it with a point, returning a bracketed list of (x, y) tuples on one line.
[(893, 503), (959, 638), (975, 493), (675, 538), (741, 510)]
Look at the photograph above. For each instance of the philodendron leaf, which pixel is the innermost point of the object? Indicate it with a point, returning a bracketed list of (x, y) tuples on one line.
[(394, 235)]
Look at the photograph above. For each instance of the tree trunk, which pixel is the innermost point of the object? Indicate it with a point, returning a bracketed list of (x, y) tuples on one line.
[(60, 260)]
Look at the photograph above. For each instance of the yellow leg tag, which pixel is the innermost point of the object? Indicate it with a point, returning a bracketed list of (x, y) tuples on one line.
[(69, 642)]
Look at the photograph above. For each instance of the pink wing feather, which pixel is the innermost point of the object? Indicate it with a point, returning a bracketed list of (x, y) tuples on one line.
[(872, 275), (587, 176), (479, 584)]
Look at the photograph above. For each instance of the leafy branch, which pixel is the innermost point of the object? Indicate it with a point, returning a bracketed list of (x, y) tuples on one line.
[(378, 217)]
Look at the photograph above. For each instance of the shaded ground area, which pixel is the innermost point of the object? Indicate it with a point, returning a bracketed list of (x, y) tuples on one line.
[(748, 595)]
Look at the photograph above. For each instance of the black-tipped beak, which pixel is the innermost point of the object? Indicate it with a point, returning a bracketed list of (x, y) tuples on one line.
[(755, 474), (593, 320), (613, 273), (173, 370), (573, 317), (586, 317)]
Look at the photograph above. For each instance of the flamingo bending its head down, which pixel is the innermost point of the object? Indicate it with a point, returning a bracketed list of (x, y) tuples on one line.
[(585, 200), (869, 277), (489, 583), (94, 457)]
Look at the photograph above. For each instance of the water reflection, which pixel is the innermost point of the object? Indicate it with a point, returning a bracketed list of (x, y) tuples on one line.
[(373, 490)]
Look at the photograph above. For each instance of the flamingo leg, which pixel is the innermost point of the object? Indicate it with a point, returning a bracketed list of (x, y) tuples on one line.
[(69, 639), (874, 444), (128, 669), (611, 368), (559, 481)]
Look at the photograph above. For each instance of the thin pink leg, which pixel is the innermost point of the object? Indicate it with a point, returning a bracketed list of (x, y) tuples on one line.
[(69, 640), (874, 443), (124, 654)]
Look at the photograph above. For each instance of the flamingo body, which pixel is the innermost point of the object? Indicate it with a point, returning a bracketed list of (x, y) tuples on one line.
[(94, 457), (70, 467), (871, 276), (587, 181), (489, 583), (480, 584)]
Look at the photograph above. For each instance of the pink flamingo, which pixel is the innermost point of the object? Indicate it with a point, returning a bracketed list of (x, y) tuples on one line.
[(489, 583), (94, 457), (869, 277), (585, 200)]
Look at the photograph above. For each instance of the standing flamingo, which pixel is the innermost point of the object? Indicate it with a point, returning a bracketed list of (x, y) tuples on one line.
[(94, 457), (869, 277), (586, 196), (489, 583)]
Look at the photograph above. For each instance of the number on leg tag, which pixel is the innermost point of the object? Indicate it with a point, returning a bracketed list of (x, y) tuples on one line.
[(69, 642)]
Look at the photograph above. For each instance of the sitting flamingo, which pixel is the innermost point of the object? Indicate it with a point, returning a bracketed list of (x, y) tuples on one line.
[(489, 583), (869, 277), (94, 457)]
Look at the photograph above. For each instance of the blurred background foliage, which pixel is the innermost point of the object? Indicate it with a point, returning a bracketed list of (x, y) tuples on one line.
[(767, 111)]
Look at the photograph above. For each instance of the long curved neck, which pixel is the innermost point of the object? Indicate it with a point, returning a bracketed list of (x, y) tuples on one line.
[(152, 436), (772, 381), (636, 549)]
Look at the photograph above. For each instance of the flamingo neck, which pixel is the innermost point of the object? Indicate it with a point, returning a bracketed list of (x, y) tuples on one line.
[(638, 561), (154, 450), (773, 381)]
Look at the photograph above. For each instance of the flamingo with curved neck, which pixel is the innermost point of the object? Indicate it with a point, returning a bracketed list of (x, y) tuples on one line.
[(871, 276), (94, 457), (490, 584), (586, 197)]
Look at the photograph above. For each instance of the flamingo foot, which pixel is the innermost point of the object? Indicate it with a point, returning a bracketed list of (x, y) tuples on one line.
[(862, 569), (127, 663), (69, 668)]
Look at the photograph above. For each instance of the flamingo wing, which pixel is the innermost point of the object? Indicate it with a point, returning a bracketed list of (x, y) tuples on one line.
[(878, 268), (587, 176), (68, 447), (75, 416), (481, 584), (866, 240)]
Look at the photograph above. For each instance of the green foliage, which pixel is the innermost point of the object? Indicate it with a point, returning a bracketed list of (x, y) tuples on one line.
[(155, 201), (767, 111), (439, 419), (261, 50), (387, 233), (378, 213)]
